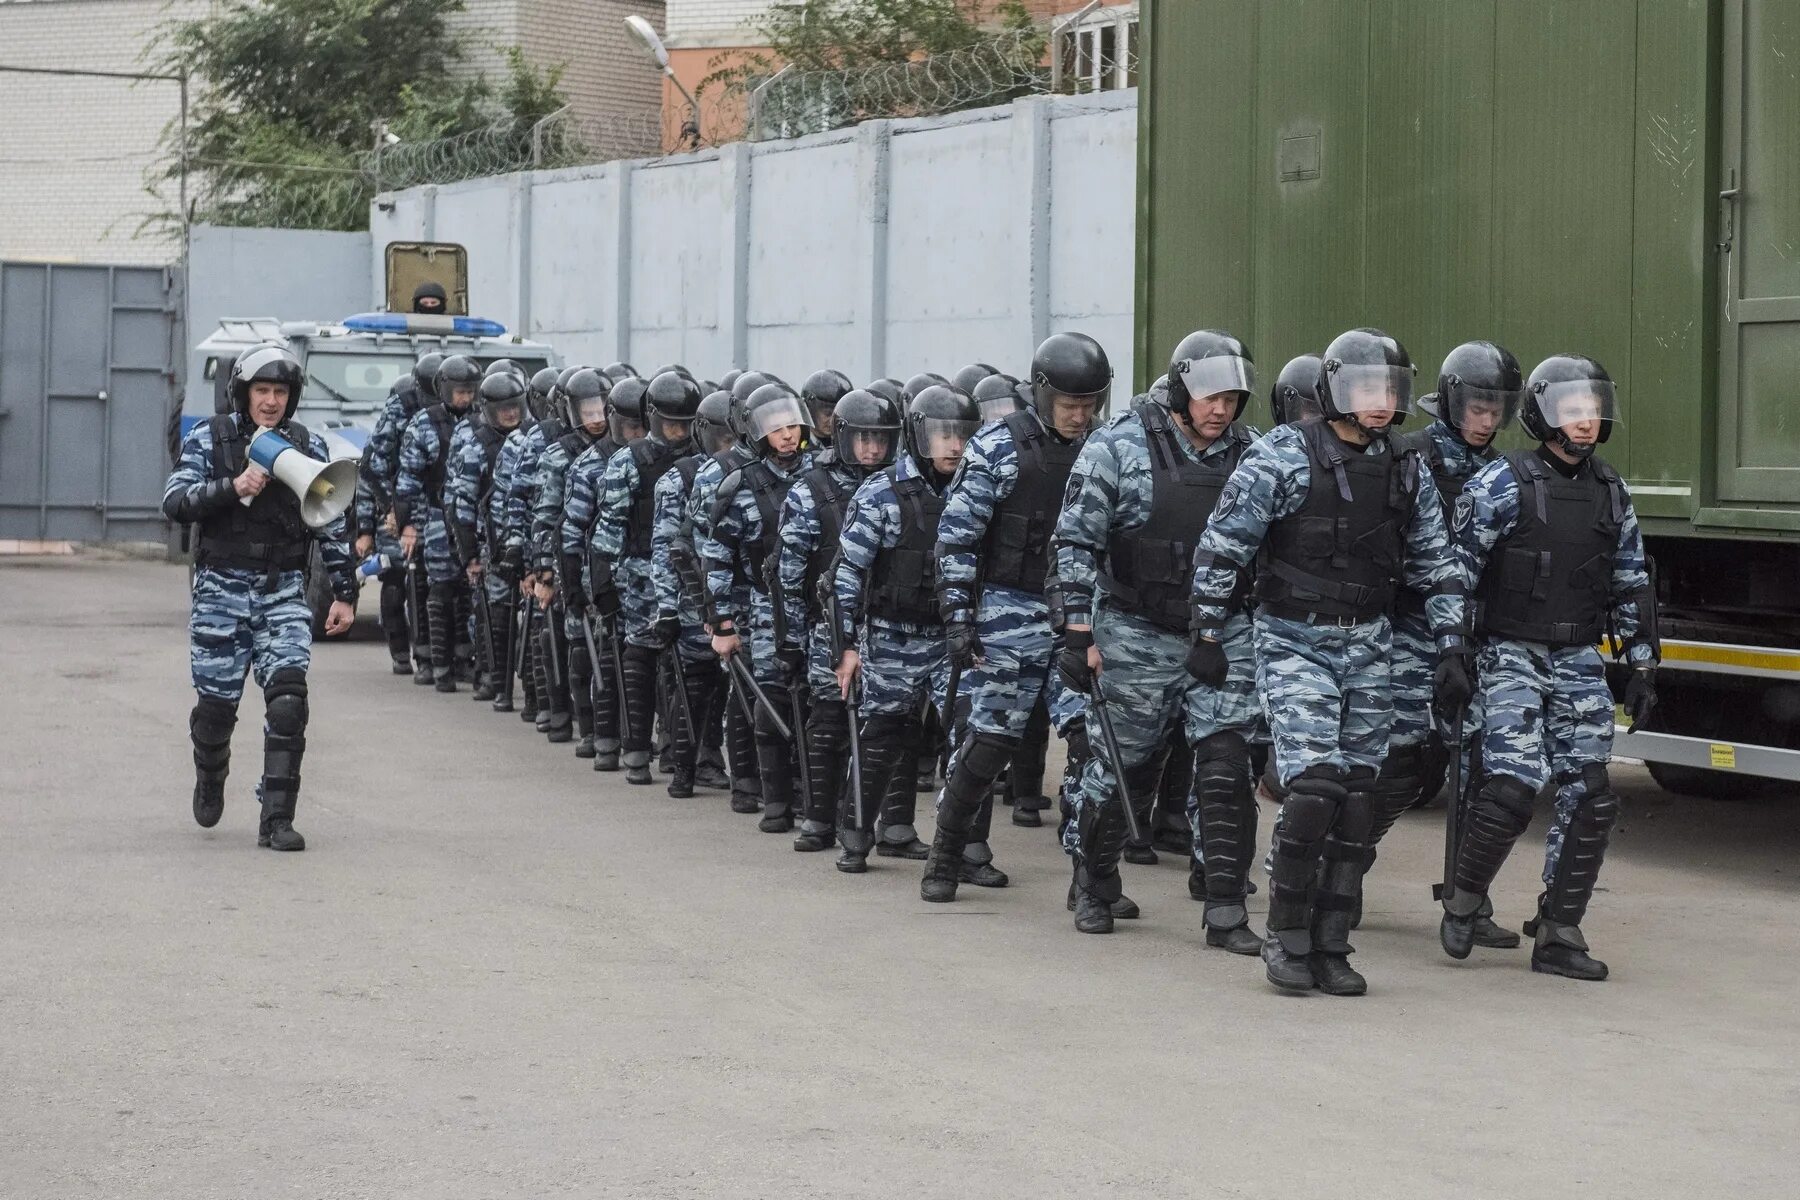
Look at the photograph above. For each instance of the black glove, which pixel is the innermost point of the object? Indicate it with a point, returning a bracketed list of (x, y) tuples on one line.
[(1640, 694), (510, 566), (964, 646), (667, 628), (1073, 663), (1206, 661), (1077, 742), (603, 592), (1451, 685), (792, 662)]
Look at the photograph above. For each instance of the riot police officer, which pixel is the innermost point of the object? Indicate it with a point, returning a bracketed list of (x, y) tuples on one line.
[(249, 602), (889, 636), (475, 449), (1341, 521), (867, 434), (419, 498), (403, 587), (994, 558), (1549, 545), (1295, 396), (821, 391)]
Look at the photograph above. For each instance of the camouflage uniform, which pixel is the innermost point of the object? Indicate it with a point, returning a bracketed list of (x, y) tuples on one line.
[(1323, 639), (475, 451), (677, 606), (738, 546), (1548, 709), (729, 709), (562, 516), (1139, 491), (994, 561), (811, 523), (904, 665), (419, 497), (375, 482), (543, 694), (249, 610)]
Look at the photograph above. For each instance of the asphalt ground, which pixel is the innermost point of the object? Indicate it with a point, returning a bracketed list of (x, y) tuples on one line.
[(496, 973)]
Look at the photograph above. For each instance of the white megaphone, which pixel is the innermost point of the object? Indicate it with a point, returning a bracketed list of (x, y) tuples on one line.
[(325, 488)]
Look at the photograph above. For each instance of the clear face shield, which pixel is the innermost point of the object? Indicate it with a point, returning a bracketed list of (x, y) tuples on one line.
[(1070, 415), (459, 396), (714, 438), (781, 425), (997, 408), (941, 440), (1580, 408), (590, 411), (867, 448), (1203, 377), (507, 414), (824, 418), (1374, 395), (1479, 414)]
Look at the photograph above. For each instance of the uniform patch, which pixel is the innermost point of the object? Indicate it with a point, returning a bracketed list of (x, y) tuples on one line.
[(1465, 511), (1229, 498)]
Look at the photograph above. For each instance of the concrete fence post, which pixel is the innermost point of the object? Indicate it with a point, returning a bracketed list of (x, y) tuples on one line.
[(1030, 129), (871, 251)]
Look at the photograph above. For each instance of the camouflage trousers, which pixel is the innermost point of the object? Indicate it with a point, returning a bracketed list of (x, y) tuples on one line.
[(1018, 663), (1148, 692), (903, 670), (1410, 667), (637, 602), (235, 626), (1548, 712), (434, 537), (1325, 692)]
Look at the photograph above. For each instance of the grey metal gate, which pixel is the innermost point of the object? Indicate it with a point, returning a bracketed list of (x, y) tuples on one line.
[(88, 386)]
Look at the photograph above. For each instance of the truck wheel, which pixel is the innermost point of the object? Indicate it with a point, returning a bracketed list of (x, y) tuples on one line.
[(1707, 713)]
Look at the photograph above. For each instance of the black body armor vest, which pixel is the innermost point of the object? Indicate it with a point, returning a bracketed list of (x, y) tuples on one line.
[(266, 534), (1015, 552), (831, 499), (756, 558), (1549, 580), (903, 578), (1150, 569), (654, 458), (1340, 556)]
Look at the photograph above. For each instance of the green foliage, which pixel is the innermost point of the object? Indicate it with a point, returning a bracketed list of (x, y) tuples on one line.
[(286, 94)]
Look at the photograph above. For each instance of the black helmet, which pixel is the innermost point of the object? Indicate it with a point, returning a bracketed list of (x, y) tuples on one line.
[(771, 407), (425, 371), (998, 396), (712, 423), (938, 410), (1370, 363), (1158, 391), (824, 388), (627, 401), (729, 378), (458, 372), (923, 380), (507, 365), (1295, 395), (1205, 363), (671, 396), (267, 363), (540, 390), (1476, 373), (619, 370), (974, 373), (1072, 365), (746, 383), (501, 390), (861, 413), (887, 386), (1565, 388), (584, 387), (675, 367)]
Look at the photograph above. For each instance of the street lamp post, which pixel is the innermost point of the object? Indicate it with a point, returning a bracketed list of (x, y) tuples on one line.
[(646, 35)]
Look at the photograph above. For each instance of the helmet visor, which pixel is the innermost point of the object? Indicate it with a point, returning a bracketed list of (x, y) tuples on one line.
[(591, 410), (1358, 390), (1577, 401), (778, 414), (713, 437), (862, 446), (1203, 377), (996, 407), (1481, 410), (943, 437)]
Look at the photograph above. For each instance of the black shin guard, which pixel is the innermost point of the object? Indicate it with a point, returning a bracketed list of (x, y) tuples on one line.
[(393, 614), (441, 608), (581, 688), (463, 640), (776, 763), (640, 704), (1223, 791), (600, 701), (899, 800), (1311, 809), (284, 745), (1025, 770), (209, 728), (827, 756), (1583, 849), (884, 743), (1499, 813), (418, 599), (1397, 788), (1345, 855)]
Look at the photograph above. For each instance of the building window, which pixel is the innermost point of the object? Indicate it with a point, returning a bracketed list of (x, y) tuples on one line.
[(1096, 49)]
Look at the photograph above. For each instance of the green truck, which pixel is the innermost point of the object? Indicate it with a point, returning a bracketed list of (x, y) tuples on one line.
[(1615, 177)]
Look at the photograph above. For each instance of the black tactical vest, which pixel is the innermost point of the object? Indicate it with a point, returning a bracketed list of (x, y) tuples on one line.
[(1150, 569), (265, 535), (490, 439), (1340, 556), (1549, 579), (756, 558), (1015, 552), (654, 458), (830, 501), (903, 579), (443, 423), (1449, 487)]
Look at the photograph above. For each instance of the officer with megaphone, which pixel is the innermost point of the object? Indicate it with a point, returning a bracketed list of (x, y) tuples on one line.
[(249, 603)]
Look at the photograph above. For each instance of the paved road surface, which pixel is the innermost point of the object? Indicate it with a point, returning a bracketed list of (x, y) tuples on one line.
[(495, 973)]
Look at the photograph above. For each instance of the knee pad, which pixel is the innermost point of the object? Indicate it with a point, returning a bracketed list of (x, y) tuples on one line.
[(1230, 748), (1313, 801), (642, 656), (830, 724), (765, 720), (211, 722), (984, 755), (1598, 808), (580, 665), (1507, 802), (285, 698), (897, 728)]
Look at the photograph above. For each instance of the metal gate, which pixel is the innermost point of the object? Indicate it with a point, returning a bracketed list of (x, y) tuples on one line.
[(88, 386)]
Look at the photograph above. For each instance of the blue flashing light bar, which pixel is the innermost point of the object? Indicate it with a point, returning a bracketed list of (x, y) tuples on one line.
[(380, 322)]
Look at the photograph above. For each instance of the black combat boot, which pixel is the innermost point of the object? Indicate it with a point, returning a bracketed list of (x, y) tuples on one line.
[(280, 792), (209, 728)]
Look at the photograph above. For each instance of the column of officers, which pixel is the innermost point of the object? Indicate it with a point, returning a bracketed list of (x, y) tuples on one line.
[(821, 600)]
